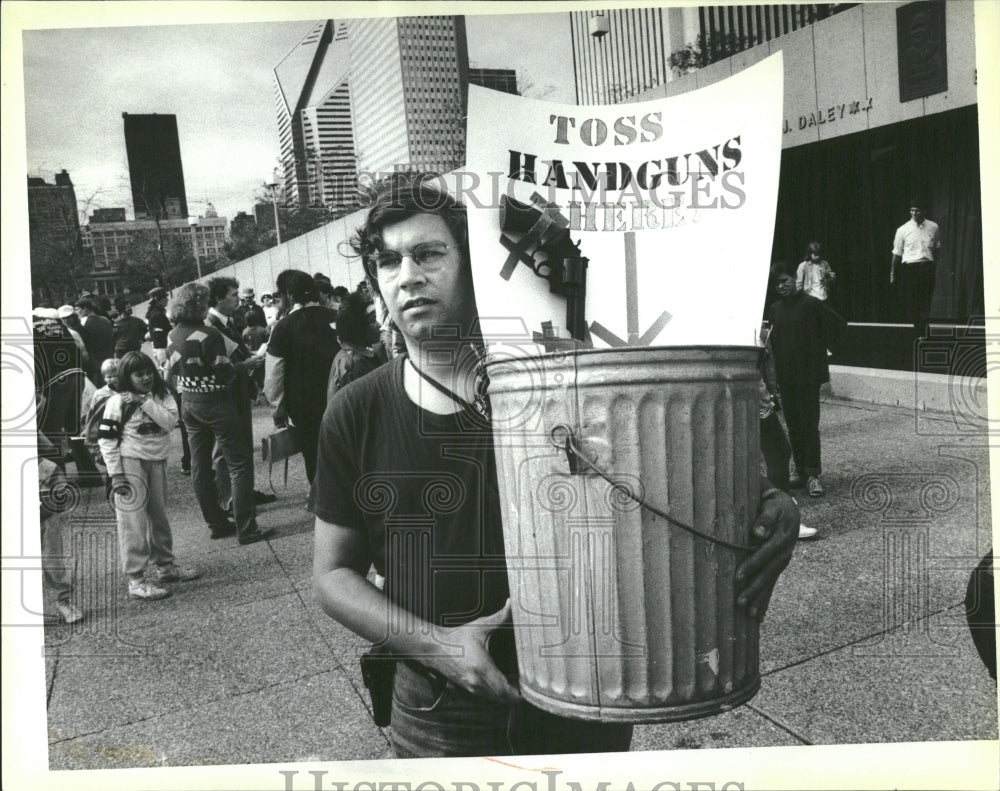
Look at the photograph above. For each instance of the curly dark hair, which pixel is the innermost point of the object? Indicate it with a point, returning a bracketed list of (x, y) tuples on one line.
[(218, 287), (398, 197), (352, 319)]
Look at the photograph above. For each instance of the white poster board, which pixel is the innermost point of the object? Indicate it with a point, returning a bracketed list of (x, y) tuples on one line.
[(672, 202)]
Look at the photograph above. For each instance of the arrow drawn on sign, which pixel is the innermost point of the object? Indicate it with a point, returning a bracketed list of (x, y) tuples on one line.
[(631, 307)]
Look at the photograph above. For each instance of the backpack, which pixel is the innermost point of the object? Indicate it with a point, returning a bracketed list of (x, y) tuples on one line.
[(94, 416), (97, 415)]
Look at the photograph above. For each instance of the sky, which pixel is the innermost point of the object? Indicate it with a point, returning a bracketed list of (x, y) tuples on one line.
[(217, 79)]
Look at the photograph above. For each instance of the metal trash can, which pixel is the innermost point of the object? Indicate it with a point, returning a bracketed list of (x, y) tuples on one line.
[(618, 615)]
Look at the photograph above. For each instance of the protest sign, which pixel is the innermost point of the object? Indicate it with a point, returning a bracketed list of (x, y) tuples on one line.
[(670, 201)]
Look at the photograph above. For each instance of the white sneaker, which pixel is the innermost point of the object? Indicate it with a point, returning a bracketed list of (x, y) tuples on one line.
[(807, 532), (143, 589), (68, 612)]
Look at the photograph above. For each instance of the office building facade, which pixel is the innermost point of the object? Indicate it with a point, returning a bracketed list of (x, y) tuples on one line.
[(880, 108), (108, 242), (51, 208), (55, 243), (619, 54), (504, 80), (154, 166), (404, 109)]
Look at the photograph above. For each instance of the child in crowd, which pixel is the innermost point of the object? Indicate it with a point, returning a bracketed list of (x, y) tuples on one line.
[(134, 437), (255, 336), (94, 412), (814, 274), (357, 333)]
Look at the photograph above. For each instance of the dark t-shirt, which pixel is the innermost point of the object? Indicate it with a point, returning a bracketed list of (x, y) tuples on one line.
[(308, 343), (98, 336), (129, 334), (423, 487), (159, 327)]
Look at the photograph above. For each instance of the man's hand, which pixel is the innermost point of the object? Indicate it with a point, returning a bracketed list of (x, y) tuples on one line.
[(892, 276), (777, 526), (465, 660)]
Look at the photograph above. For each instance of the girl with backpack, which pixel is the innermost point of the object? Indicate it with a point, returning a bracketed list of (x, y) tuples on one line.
[(134, 437)]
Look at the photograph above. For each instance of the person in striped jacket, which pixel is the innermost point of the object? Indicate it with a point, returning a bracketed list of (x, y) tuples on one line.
[(202, 371)]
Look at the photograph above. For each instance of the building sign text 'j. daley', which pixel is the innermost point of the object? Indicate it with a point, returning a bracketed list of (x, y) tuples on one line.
[(830, 114)]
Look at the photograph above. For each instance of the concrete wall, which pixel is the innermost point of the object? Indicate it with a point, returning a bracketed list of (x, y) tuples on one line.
[(962, 398), (323, 250)]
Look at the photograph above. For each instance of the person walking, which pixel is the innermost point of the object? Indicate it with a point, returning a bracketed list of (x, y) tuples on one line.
[(774, 446), (134, 437), (915, 249), (803, 329)]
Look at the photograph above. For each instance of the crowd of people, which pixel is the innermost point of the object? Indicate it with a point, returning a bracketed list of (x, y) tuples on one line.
[(100, 397)]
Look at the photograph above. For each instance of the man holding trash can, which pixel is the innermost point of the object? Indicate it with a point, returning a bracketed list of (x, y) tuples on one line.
[(406, 479)]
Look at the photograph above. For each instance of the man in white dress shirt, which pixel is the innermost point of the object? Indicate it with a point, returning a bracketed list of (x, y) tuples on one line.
[(914, 266)]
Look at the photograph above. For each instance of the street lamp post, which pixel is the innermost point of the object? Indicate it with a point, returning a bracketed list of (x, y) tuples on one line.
[(193, 224), (273, 187)]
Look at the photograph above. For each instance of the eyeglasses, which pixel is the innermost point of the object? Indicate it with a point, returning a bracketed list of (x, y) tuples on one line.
[(429, 256)]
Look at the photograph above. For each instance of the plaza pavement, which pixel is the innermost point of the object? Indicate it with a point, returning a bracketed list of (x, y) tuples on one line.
[(865, 640)]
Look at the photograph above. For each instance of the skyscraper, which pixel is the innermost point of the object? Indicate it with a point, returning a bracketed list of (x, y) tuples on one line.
[(312, 94), (404, 109), (154, 166)]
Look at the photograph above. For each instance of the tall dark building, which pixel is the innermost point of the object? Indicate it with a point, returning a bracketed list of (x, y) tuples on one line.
[(496, 79), (154, 165)]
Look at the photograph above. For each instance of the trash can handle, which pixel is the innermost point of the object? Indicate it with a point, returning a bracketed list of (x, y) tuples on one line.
[(562, 437)]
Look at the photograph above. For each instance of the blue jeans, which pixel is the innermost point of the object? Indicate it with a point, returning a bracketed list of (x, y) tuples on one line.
[(208, 422), (431, 720)]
